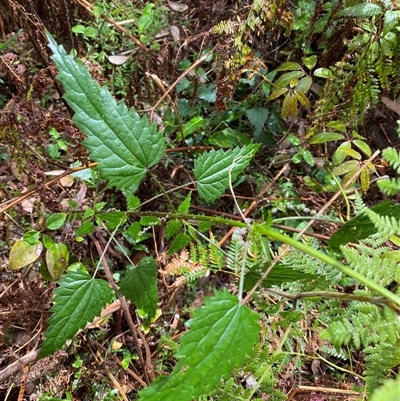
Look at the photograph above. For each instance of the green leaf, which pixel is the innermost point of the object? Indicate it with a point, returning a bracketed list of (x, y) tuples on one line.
[(285, 79), (132, 201), (325, 137), (185, 205), (77, 301), (289, 106), (310, 61), (124, 144), (171, 228), (390, 20), (222, 333), (277, 93), (56, 220), (345, 167), (140, 286), (192, 126), (22, 254), (361, 227), (146, 18), (179, 242), (289, 66), (302, 98), (278, 275), (57, 257), (324, 73), (363, 146), (257, 118), (31, 237), (112, 219), (149, 221), (304, 85), (86, 227), (213, 169), (360, 10), (389, 391)]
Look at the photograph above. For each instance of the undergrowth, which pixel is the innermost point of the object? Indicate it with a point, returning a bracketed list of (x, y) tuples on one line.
[(246, 336)]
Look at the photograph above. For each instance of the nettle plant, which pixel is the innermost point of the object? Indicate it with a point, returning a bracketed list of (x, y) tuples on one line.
[(225, 331)]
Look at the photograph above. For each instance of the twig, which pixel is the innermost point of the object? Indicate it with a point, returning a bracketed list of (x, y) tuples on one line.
[(186, 72), (146, 364), (334, 295)]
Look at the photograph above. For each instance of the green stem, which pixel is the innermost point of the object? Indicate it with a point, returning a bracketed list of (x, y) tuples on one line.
[(261, 230)]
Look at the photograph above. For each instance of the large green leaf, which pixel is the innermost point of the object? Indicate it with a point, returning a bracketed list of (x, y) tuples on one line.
[(221, 334), (77, 301), (213, 169), (140, 286), (361, 227), (124, 144)]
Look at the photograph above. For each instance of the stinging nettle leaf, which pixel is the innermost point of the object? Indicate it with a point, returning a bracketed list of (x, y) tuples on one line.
[(77, 301), (222, 333), (124, 144), (213, 169), (140, 286)]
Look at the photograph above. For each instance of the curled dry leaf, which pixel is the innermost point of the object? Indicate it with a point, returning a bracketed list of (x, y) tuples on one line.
[(175, 32), (180, 8), (117, 60)]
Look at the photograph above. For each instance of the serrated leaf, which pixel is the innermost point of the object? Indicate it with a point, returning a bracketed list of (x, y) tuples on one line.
[(179, 242), (124, 144), (360, 10), (22, 254), (77, 301), (257, 118), (185, 205), (149, 221), (213, 169), (324, 137), (140, 286), (113, 219), (289, 106), (221, 334), (86, 227), (132, 201), (171, 228), (56, 220), (57, 257), (278, 275)]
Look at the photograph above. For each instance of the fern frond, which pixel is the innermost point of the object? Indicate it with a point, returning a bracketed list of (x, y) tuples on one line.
[(386, 225), (392, 156), (389, 187), (379, 360), (359, 205)]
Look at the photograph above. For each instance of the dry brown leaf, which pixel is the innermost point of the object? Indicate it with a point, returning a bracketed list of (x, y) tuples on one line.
[(175, 32), (391, 104), (117, 60), (180, 8)]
